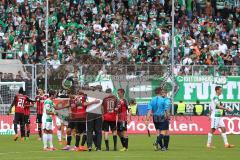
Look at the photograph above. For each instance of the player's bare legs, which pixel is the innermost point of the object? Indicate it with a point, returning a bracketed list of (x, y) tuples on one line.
[(64, 134), (48, 138), (163, 133), (114, 133), (225, 140), (155, 144), (28, 130), (115, 139), (124, 140), (16, 131), (166, 139), (39, 131), (106, 140), (59, 134), (209, 141), (69, 139)]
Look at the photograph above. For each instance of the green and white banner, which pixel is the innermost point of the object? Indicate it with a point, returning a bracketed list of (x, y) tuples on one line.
[(202, 88)]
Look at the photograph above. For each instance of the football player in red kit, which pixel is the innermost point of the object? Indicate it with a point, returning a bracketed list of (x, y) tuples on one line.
[(40, 104), (123, 117), (19, 100), (109, 105), (27, 106)]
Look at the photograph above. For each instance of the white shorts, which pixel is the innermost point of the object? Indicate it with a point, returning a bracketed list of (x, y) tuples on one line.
[(217, 122), (47, 125), (59, 122)]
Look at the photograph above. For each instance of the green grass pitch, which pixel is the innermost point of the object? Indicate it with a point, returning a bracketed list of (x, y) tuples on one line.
[(182, 147)]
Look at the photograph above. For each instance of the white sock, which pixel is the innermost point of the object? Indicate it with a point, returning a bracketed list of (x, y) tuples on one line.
[(209, 141), (224, 136), (45, 140), (50, 140), (59, 135)]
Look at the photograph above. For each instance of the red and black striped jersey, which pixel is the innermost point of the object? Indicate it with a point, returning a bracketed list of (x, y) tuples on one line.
[(110, 105), (19, 102), (27, 106), (40, 103), (122, 109)]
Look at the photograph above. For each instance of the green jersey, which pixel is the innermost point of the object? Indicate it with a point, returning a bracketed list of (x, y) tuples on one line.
[(48, 106), (215, 111)]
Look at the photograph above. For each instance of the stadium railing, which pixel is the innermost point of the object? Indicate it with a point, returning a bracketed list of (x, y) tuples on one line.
[(139, 81)]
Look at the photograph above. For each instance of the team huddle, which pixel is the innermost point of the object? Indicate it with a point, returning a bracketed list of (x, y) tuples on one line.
[(114, 116)]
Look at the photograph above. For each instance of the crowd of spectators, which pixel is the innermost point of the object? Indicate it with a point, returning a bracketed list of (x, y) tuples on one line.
[(121, 31)]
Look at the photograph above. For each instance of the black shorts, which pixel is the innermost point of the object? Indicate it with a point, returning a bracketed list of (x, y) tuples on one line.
[(19, 118), (26, 119), (39, 118), (122, 126), (80, 126), (160, 123), (109, 124)]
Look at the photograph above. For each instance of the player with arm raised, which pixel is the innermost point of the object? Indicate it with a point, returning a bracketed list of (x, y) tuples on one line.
[(123, 117), (109, 105), (47, 122), (18, 102), (216, 119), (40, 98)]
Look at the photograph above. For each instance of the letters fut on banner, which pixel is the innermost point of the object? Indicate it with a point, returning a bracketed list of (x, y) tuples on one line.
[(178, 125)]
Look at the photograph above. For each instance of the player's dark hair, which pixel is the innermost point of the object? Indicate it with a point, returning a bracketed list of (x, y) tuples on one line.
[(21, 91), (121, 90), (158, 90), (51, 93), (217, 88), (109, 90)]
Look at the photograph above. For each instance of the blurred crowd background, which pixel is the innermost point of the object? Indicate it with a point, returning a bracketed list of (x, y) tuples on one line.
[(113, 32)]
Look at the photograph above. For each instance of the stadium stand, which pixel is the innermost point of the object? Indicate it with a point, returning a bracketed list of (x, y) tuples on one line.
[(119, 31)]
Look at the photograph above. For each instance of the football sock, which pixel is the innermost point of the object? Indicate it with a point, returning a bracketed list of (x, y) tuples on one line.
[(40, 132), (69, 139), (160, 140), (45, 140), (224, 136), (166, 141), (59, 135), (15, 128), (115, 142), (209, 141), (122, 141), (50, 140), (126, 142), (22, 129), (84, 138), (107, 144), (78, 137), (28, 133)]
